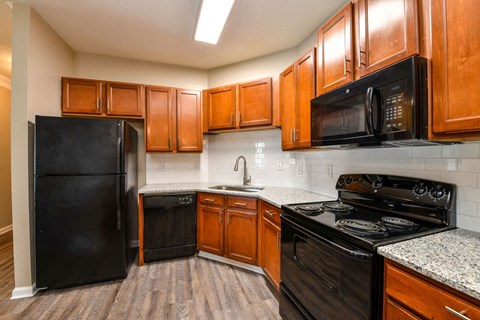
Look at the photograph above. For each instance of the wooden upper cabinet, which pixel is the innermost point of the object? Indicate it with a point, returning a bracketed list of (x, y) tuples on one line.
[(124, 99), (102, 98), (81, 96), (297, 89), (255, 103), (288, 106), (221, 108), (189, 121), (335, 56), (305, 92), (160, 119), (387, 32), (455, 62)]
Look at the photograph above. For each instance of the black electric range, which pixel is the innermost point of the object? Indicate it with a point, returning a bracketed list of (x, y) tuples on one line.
[(330, 268)]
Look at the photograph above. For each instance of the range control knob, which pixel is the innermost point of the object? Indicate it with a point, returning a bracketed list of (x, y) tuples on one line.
[(341, 180), (419, 189), (349, 180), (437, 192), (377, 184)]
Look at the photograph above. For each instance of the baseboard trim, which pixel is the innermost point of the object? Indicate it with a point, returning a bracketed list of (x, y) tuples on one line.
[(6, 229), (24, 292), (235, 263)]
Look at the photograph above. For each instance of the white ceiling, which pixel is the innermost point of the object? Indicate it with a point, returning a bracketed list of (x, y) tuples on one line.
[(162, 30)]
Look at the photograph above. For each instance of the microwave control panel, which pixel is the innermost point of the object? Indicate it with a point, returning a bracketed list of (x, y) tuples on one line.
[(395, 107)]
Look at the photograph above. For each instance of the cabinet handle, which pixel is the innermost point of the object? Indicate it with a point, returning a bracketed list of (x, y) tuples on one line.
[(228, 218), (240, 204), (459, 314), (98, 103), (345, 65), (108, 104), (279, 238), (209, 200), (270, 213), (232, 119), (295, 135), (220, 218)]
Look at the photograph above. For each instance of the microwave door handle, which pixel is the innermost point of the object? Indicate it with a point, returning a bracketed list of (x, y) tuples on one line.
[(368, 103)]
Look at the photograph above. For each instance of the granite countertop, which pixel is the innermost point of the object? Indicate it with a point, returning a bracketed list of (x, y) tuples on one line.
[(450, 257), (274, 195)]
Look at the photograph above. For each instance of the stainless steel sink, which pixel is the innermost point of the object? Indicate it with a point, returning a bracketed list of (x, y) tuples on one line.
[(237, 188)]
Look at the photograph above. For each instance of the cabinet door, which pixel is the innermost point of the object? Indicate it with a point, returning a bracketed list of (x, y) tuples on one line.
[(287, 106), (455, 61), (210, 229), (388, 33), (335, 58), (124, 99), (241, 230), (305, 92), (81, 96), (189, 121), (221, 108), (160, 119), (271, 236), (393, 311), (255, 103)]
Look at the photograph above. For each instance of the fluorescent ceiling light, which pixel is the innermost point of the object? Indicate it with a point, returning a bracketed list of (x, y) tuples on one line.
[(212, 18)]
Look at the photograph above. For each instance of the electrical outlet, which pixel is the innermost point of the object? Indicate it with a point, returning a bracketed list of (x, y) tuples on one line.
[(163, 166), (330, 170), (280, 166), (300, 169)]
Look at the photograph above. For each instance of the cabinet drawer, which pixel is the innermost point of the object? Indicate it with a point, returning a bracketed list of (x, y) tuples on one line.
[(426, 299), (270, 213), (211, 199), (242, 203)]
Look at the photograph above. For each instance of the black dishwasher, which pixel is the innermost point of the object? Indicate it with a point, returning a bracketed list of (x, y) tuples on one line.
[(169, 226)]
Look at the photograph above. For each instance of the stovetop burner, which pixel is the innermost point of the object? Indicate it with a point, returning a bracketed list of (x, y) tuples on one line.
[(361, 227), (394, 222), (309, 210), (337, 207)]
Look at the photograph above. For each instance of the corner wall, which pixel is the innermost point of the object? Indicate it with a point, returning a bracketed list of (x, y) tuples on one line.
[(40, 57)]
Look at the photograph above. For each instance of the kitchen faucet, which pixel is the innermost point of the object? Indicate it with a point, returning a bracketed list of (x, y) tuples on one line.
[(246, 178)]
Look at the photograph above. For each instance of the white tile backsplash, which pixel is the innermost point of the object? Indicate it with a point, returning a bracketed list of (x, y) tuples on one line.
[(459, 164)]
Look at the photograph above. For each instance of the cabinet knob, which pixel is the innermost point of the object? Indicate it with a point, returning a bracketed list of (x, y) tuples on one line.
[(269, 212), (242, 204)]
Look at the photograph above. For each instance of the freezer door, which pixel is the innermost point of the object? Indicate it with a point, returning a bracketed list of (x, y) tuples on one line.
[(79, 230), (74, 146)]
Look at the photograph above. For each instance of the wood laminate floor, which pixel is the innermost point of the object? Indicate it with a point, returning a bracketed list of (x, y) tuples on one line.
[(190, 288)]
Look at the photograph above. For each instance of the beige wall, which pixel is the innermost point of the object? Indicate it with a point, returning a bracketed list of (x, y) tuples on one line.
[(93, 66), (40, 57), (5, 185), (252, 69)]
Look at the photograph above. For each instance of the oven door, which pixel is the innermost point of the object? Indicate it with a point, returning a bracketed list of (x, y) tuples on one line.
[(322, 277)]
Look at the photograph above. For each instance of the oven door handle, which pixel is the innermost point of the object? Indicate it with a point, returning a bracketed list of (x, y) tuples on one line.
[(357, 254)]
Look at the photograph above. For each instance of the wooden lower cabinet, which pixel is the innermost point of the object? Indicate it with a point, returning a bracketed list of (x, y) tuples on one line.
[(409, 295), (210, 229), (270, 237), (241, 233), (227, 226)]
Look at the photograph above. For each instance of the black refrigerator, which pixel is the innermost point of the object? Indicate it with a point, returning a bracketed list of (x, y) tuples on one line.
[(86, 215)]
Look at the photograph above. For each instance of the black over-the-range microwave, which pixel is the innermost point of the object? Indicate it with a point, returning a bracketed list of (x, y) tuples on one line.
[(389, 108)]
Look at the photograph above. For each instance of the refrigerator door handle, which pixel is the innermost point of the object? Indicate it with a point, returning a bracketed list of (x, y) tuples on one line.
[(119, 203)]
